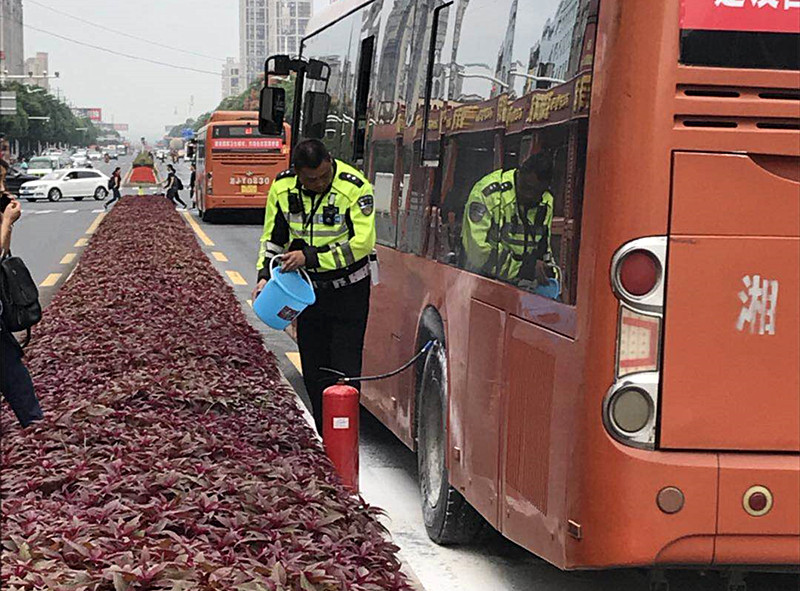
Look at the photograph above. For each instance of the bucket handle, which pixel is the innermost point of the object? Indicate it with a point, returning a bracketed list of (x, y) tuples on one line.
[(302, 271)]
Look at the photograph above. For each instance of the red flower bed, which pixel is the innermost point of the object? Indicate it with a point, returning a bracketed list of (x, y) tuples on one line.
[(172, 457), (142, 174)]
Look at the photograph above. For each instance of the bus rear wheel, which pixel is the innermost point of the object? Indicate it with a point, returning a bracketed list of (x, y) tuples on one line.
[(449, 518)]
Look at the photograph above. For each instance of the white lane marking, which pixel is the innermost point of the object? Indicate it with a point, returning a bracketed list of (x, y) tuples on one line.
[(40, 212), (101, 210), (70, 211)]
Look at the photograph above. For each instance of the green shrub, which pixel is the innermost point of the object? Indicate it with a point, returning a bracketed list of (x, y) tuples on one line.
[(144, 159)]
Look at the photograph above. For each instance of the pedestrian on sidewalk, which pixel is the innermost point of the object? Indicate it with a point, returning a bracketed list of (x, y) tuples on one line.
[(16, 384), (320, 216), (192, 180), (114, 184), (174, 185)]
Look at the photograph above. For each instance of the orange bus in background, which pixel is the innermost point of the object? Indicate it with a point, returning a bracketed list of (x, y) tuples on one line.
[(649, 413), (235, 163)]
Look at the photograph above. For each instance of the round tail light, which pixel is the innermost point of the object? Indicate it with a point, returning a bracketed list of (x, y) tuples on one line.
[(639, 272), (757, 501), (631, 409)]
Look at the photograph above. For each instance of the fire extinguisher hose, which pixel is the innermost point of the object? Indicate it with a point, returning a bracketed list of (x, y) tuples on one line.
[(343, 379)]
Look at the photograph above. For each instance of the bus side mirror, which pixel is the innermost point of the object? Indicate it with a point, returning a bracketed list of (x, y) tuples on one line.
[(318, 70), (315, 114), (272, 109)]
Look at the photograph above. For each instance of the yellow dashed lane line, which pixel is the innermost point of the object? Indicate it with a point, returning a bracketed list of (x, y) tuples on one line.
[(68, 258), (294, 357), (236, 278), (81, 242), (96, 223), (198, 230), (220, 257), (50, 280)]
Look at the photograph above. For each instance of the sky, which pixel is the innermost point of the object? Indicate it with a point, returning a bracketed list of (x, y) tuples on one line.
[(146, 96)]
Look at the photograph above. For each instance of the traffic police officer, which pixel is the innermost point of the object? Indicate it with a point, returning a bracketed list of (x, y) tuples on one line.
[(320, 216), (507, 224)]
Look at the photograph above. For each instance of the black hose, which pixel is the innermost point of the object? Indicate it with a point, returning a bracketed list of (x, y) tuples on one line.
[(343, 379)]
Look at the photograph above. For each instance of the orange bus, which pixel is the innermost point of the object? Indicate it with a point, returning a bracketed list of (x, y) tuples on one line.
[(235, 163), (637, 403)]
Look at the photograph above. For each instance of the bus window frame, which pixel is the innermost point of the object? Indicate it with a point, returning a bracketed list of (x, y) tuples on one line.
[(426, 112)]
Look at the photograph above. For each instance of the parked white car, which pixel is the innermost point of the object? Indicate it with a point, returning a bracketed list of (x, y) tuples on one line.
[(76, 183), (93, 155)]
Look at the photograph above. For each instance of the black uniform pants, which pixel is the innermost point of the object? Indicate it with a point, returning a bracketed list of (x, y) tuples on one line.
[(15, 381), (331, 334)]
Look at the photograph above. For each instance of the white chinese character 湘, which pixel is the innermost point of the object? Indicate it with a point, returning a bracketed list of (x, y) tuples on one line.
[(759, 304), (763, 3), (729, 3)]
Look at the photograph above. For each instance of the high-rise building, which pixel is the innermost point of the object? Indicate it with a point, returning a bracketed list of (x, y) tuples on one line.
[(37, 67), (267, 27), (11, 38), (231, 78)]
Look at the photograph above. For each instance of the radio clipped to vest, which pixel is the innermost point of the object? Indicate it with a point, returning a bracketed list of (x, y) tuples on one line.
[(330, 212)]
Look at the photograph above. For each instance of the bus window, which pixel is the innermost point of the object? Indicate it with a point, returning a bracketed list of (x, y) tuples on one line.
[(516, 130)]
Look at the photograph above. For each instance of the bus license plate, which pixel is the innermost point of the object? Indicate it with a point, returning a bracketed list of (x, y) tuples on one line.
[(249, 189)]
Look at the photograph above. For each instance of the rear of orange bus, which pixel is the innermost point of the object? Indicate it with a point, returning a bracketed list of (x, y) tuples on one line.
[(236, 164), (690, 452)]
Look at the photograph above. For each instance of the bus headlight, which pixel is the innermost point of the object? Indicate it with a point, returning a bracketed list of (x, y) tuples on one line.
[(629, 410)]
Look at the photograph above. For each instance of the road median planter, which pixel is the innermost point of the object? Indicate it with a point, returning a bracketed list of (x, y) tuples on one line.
[(172, 456)]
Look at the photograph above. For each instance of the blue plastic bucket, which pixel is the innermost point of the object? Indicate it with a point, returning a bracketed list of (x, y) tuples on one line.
[(551, 289), (284, 296)]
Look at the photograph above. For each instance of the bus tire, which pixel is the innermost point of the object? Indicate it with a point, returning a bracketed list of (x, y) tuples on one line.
[(448, 517)]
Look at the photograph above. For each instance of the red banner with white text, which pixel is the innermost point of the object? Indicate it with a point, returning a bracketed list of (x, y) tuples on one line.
[(772, 16)]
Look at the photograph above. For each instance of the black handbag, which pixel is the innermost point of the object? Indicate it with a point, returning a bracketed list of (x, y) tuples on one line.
[(20, 296)]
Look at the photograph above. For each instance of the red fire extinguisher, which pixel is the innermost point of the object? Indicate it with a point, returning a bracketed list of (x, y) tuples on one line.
[(340, 407)]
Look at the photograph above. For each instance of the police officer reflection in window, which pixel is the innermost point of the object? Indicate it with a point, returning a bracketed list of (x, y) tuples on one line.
[(507, 225), (321, 216)]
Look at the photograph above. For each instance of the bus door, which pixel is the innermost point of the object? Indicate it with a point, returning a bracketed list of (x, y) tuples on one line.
[(731, 358)]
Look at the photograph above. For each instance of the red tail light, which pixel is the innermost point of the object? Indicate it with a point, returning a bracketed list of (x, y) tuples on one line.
[(639, 272)]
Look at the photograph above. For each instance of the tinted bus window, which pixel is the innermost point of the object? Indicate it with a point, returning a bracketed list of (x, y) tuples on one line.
[(741, 49), (338, 46), (516, 130)]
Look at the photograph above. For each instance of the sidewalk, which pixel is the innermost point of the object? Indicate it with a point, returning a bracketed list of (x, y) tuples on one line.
[(173, 455)]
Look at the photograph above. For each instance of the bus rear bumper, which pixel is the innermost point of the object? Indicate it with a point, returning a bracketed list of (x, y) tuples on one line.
[(733, 550), (714, 525)]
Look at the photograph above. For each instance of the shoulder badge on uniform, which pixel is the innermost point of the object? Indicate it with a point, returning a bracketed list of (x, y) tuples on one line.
[(476, 211), (285, 174), (491, 188), (367, 204), (351, 178), (506, 186)]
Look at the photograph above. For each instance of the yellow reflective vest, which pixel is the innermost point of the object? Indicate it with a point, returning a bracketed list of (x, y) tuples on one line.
[(496, 238), (335, 231)]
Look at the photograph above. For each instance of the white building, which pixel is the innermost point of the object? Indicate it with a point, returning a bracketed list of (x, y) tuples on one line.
[(268, 27), (550, 57), (231, 78), (37, 67), (11, 37)]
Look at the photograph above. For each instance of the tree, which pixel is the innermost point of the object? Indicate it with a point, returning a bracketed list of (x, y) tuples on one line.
[(62, 126)]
